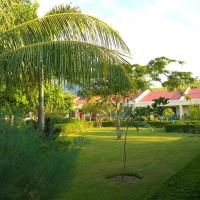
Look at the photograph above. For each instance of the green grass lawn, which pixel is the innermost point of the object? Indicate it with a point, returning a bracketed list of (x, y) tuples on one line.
[(184, 185), (155, 156)]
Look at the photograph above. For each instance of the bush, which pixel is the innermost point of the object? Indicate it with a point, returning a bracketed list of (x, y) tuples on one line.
[(123, 124), (61, 120), (138, 124), (159, 124), (108, 124), (32, 167), (155, 124), (77, 126), (194, 112), (183, 128)]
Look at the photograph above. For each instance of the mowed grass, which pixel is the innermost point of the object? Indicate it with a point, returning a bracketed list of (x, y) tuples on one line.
[(154, 155)]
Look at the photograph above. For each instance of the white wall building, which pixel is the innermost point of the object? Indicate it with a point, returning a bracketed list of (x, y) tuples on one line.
[(177, 102)]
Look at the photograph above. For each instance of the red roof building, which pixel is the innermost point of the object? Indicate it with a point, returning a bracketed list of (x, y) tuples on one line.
[(194, 93), (176, 101), (79, 101), (155, 95)]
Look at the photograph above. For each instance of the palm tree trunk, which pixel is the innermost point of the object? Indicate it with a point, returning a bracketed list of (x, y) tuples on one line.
[(41, 122)]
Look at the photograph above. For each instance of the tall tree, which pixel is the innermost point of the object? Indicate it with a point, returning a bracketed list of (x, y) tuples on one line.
[(115, 97), (172, 80), (71, 47), (141, 78)]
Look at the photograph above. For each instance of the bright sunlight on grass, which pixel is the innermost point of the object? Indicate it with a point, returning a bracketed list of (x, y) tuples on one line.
[(153, 155)]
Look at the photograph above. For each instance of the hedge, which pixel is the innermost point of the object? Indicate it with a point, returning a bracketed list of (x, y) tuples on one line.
[(62, 120), (131, 124), (74, 127), (183, 128), (159, 124), (163, 123), (108, 124)]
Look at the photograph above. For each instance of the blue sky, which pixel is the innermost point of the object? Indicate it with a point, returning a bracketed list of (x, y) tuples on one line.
[(151, 28)]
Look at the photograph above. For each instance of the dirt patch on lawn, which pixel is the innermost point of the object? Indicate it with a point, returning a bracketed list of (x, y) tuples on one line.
[(126, 178)]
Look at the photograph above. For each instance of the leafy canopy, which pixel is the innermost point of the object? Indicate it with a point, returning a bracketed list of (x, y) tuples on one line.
[(168, 112), (15, 12), (21, 102)]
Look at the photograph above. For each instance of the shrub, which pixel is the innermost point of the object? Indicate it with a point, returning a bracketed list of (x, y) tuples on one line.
[(32, 167), (123, 123), (184, 128), (61, 120), (159, 124), (108, 124), (77, 126), (194, 112), (168, 112), (138, 124)]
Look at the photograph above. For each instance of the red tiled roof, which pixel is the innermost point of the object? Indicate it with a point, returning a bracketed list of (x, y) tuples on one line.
[(80, 101), (155, 95), (194, 93)]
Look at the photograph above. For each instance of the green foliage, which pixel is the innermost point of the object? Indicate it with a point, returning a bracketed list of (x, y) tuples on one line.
[(15, 12), (76, 127), (97, 106), (64, 8), (184, 128), (108, 124), (66, 46), (142, 76), (16, 97), (168, 112), (156, 69), (178, 80), (77, 54), (57, 119), (157, 108), (19, 103), (57, 101), (92, 107), (32, 167), (138, 76), (124, 123), (194, 112), (159, 124)]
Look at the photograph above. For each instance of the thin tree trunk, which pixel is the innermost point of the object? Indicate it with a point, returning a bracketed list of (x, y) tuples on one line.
[(90, 118), (118, 130), (125, 156), (41, 122)]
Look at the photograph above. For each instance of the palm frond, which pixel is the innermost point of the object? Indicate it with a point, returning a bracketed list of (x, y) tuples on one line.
[(75, 62), (63, 27), (63, 8)]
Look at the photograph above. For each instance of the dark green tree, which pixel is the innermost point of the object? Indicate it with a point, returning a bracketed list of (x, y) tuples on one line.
[(172, 80), (117, 97)]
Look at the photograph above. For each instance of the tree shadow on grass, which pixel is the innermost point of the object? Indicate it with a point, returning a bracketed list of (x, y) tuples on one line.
[(184, 185)]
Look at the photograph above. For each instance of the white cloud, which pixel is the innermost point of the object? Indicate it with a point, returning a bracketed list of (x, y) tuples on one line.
[(164, 28)]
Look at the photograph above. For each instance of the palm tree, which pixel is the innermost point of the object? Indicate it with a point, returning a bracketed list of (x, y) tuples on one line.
[(70, 47)]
